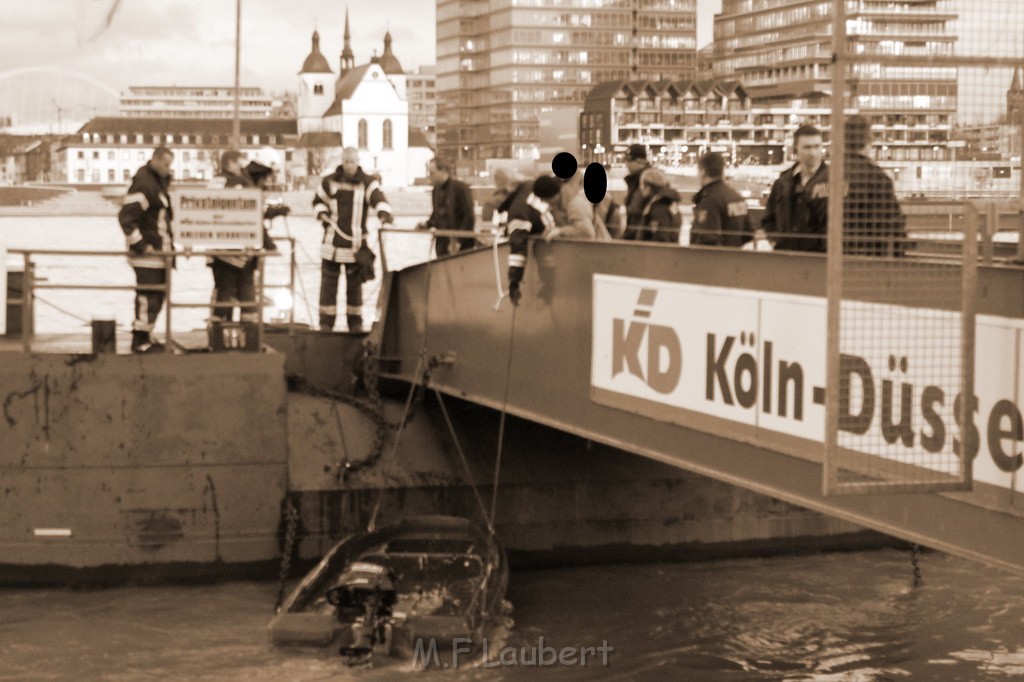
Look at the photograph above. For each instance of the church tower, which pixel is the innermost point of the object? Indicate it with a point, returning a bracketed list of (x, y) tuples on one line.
[(348, 58), (1015, 100), (316, 89)]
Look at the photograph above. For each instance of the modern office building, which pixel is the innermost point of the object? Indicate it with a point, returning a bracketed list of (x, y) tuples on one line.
[(781, 50), (501, 64), (422, 95), (173, 101)]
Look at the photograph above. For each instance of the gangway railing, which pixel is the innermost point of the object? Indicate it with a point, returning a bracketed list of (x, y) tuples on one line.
[(30, 286)]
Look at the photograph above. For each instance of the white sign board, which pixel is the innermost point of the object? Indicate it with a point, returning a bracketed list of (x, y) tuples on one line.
[(685, 353), (206, 218)]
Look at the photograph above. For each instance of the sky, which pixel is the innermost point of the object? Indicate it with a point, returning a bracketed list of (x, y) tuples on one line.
[(186, 42)]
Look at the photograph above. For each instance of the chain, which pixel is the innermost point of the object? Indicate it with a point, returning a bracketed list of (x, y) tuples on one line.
[(290, 518), (915, 552)]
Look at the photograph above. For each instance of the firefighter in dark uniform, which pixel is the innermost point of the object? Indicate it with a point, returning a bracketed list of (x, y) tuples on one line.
[(528, 211), (145, 218), (233, 276), (341, 204), (720, 214)]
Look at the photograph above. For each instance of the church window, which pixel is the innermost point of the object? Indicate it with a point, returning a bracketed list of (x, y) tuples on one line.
[(363, 135), (318, 89), (387, 133)]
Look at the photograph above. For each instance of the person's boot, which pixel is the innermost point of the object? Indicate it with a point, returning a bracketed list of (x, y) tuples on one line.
[(355, 323), (326, 323)]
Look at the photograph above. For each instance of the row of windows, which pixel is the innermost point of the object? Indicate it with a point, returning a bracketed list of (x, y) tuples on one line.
[(126, 155), (172, 138)]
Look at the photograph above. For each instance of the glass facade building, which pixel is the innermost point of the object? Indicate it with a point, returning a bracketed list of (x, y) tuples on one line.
[(503, 63), (781, 50)]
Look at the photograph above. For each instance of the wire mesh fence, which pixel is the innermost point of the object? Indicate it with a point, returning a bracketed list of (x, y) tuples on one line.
[(925, 178)]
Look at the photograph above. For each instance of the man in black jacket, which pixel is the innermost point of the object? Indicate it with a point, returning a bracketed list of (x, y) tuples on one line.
[(873, 222), (145, 219), (797, 207), (453, 208), (636, 164), (720, 214)]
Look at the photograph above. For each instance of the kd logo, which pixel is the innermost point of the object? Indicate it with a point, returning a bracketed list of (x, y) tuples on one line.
[(664, 349), (595, 180)]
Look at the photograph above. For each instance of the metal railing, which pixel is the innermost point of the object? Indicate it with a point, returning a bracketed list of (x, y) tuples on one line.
[(30, 286)]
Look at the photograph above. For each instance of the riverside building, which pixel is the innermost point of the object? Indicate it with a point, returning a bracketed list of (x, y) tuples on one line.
[(781, 51), (502, 65)]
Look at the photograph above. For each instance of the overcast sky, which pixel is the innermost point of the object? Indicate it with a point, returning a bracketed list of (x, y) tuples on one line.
[(192, 41)]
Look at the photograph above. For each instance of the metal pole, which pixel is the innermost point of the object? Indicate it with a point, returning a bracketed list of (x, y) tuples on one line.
[(260, 262), (834, 261), (291, 281), (26, 304), (236, 123), (169, 345)]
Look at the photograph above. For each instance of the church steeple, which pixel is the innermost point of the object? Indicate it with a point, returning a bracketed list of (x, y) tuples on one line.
[(1015, 99), (348, 58)]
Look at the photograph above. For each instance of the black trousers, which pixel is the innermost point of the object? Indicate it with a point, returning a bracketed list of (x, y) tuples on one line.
[(148, 303), (231, 286), (330, 272)]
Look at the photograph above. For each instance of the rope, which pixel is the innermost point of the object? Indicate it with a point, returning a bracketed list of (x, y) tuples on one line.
[(290, 519), (465, 464), (497, 272), (501, 422), (394, 448)]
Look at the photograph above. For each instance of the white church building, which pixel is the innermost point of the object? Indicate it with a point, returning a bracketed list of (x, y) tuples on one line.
[(367, 107)]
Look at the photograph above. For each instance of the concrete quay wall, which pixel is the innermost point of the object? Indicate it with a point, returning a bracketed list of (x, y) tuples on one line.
[(117, 461)]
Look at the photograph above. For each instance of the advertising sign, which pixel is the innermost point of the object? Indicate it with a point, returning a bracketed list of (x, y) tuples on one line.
[(688, 353), (207, 218)]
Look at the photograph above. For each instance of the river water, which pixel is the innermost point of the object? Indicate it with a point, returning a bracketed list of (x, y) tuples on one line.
[(820, 617), (852, 616)]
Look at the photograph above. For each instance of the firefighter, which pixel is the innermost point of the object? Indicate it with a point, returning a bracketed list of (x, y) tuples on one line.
[(529, 213), (341, 204), (145, 218)]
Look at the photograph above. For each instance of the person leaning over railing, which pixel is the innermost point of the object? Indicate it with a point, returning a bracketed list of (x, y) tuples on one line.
[(529, 213), (796, 213), (145, 218), (720, 214), (574, 214)]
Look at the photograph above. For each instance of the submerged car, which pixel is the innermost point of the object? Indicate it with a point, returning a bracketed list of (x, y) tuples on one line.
[(424, 585)]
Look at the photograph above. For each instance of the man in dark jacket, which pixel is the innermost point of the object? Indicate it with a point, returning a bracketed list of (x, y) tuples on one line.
[(453, 208), (797, 208), (341, 204), (529, 213), (659, 218), (145, 219), (873, 222), (720, 214), (636, 163)]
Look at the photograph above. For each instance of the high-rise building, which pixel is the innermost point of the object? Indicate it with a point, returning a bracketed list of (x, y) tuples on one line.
[(781, 50), (503, 63), (422, 95)]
